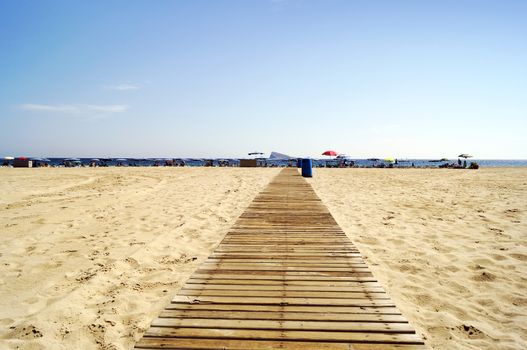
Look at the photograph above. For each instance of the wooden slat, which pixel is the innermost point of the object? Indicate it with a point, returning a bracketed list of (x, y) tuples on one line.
[(286, 308), (285, 276), (280, 316), (266, 334), (248, 344), (281, 287), (281, 301), (304, 325), (282, 282), (283, 294)]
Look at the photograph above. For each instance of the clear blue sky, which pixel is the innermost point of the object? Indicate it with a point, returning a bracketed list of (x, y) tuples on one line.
[(222, 78)]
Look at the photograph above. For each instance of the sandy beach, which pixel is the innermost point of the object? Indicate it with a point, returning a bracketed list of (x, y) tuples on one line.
[(88, 257), (449, 246)]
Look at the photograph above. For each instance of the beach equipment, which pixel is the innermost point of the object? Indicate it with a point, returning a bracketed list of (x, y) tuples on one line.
[(255, 153), (343, 156), (72, 160), (438, 160), (248, 163), (307, 167), (9, 158), (330, 153), (121, 160), (22, 162), (278, 156), (388, 160), (95, 160), (464, 155)]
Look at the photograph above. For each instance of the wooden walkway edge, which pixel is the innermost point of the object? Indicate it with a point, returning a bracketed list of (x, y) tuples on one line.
[(284, 277)]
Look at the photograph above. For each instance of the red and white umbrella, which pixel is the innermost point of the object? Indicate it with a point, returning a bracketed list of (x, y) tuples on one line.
[(330, 153)]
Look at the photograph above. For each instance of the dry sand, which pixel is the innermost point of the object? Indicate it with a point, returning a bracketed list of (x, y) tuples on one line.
[(450, 247), (88, 257)]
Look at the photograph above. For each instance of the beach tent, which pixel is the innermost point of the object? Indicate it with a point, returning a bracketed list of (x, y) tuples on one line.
[(279, 156)]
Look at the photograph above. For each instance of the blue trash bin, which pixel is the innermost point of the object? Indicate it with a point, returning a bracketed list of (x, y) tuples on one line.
[(299, 163), (307, 167)]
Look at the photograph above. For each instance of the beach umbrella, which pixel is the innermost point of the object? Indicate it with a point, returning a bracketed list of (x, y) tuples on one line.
[(329, 153), (373, 159), (389, 160), (121, 160), (464, 155), (95, 160), (9, 158), (72, 159), (255, 153), (343, 156)]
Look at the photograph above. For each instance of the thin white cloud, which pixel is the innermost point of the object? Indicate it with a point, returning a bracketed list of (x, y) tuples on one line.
[(108, 108), (74, 109), (123, 87), (49, 108)]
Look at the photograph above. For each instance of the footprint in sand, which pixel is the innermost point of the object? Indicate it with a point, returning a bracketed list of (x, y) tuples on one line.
[(25, 332), (484, 277), (132, 262), (6, 321), (471, 331), (518, 256), (499, 257)]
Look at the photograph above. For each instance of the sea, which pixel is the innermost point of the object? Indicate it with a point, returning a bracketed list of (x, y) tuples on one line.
[(327, 162)]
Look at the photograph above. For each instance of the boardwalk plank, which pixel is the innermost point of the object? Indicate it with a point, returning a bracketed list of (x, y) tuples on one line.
[(227, 344)]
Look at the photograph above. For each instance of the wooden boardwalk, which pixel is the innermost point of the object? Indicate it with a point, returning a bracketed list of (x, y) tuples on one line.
[(284, 277)]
